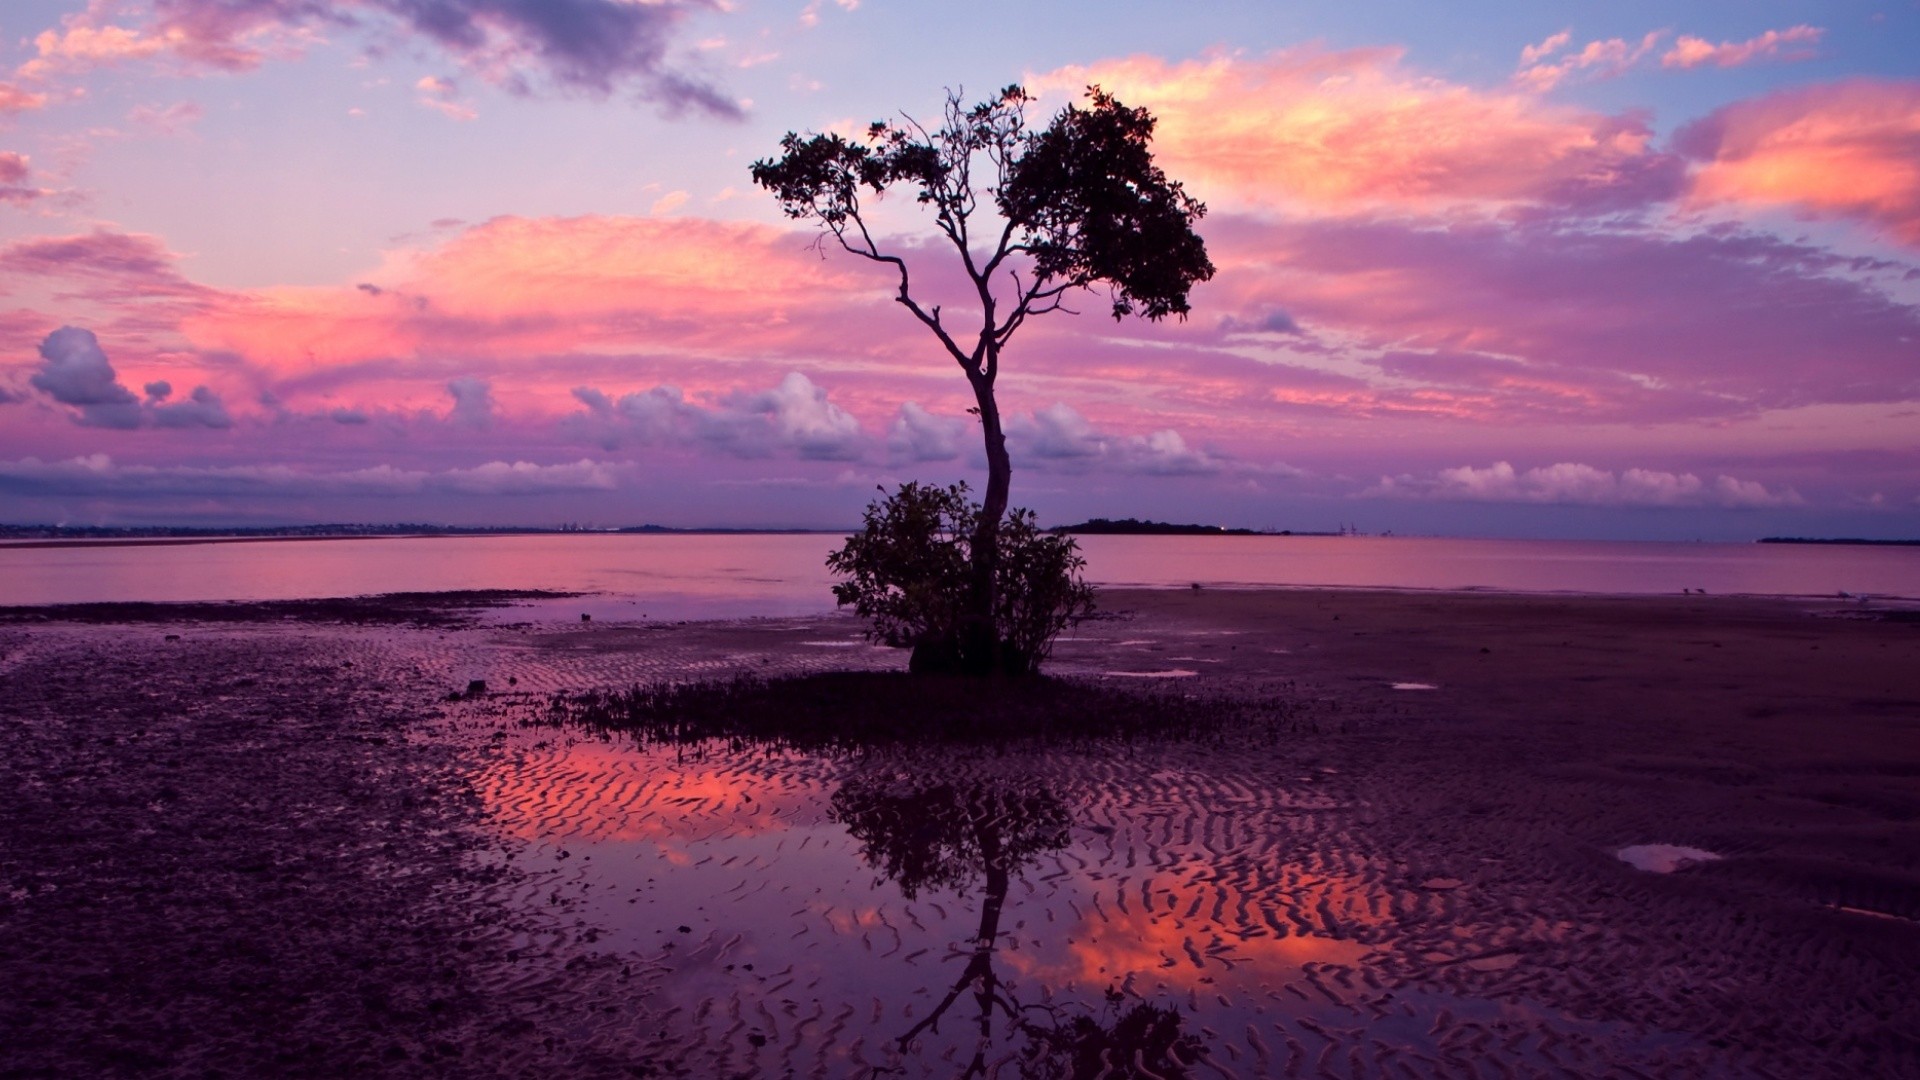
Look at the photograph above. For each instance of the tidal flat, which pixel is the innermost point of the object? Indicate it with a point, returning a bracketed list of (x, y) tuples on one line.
[(1381, 834)]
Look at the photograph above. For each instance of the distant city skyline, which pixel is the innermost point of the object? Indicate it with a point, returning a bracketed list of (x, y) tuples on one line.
[(1616, 270)]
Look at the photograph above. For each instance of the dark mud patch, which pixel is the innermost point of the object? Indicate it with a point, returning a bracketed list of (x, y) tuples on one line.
[(272, 883), (408, 609)]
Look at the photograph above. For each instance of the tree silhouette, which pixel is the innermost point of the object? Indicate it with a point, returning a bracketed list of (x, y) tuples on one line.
[(1079, 204)]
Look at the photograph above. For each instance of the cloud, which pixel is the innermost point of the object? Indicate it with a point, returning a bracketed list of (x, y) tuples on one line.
[(173, 119), (442, 95), (472, 403), (202, 408), (15, 100), (1058, 437), (794, 416), (1846, 149), (1576, 484), (1567, 321), (514, 287), (1602, 59), (1793, 43), (1358, 129), (596, 47), (78, 373), (918, 435), (14, 173), (1553, 44), (797, 414), (98, 474), (104, 264), (75, 372)]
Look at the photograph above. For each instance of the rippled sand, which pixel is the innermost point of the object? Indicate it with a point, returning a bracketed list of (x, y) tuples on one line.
[(1393, 884)]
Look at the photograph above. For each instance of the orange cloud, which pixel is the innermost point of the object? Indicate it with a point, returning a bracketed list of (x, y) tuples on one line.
[(1849, 149), (1690, 52), (516, 287), (1357, 129)]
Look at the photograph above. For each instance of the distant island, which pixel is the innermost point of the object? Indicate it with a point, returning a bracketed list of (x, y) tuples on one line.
[(1851, 540), (1136, 527)]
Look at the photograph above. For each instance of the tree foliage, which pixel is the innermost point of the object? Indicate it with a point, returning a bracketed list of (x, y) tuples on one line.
[(910, 571)]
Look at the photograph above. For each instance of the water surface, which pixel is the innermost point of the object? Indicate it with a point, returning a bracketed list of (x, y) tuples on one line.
[(688, 576)]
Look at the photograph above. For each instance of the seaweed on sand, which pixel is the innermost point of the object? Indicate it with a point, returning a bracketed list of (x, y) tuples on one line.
[(855, 709)]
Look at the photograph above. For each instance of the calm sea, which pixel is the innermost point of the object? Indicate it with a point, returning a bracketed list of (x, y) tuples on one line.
[(682, 577)]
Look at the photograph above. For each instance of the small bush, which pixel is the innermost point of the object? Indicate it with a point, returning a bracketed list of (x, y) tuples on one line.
[(911, 572)]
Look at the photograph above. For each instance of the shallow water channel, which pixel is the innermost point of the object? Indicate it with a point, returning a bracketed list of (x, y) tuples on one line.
[(1184, 908)]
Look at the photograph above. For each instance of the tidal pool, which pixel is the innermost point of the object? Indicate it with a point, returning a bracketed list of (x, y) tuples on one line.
[(954, 912)]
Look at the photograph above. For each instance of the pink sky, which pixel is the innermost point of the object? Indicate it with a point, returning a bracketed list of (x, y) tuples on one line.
[(1605, 271)]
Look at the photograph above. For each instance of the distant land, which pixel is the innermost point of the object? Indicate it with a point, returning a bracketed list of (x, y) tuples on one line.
[(1838, 540), (1136, 527), (36, 535)]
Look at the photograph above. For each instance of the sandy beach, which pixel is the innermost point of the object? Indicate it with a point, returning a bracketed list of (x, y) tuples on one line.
[(250, 841)]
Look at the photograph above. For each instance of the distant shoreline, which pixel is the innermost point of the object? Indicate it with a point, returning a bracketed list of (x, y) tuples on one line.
[(1838, 541), (34, 537)]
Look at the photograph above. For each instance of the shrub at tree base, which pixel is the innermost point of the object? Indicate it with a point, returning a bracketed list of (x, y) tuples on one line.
[(910, 571)]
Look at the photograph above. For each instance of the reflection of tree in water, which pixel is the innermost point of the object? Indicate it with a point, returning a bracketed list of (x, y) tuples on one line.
[(954, 835)]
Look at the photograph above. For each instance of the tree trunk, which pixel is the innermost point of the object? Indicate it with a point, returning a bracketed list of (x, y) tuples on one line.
[(982, 644)]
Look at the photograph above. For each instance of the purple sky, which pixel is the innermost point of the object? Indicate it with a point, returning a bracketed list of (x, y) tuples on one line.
[(1610, 270)]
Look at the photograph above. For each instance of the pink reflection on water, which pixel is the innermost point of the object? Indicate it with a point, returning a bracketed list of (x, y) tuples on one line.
[(696, 576)]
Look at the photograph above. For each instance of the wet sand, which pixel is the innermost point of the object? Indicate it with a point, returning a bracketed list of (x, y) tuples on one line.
[(279, 849)]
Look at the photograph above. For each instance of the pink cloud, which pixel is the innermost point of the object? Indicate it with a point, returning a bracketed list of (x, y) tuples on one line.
[(14, 172), (1847, 149), (1602, 59), (167, 120), (1356, 130), (1613, 323), (516, 287), (1690, 52), (15, 100)]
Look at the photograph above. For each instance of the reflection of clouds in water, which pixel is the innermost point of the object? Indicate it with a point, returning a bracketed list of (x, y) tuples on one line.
[(1148, 949), (598, 791)]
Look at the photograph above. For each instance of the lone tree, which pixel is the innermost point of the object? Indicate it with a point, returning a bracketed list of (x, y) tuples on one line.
[(1077, 205)]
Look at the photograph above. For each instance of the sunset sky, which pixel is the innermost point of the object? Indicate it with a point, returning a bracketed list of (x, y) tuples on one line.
[(1612, 269)]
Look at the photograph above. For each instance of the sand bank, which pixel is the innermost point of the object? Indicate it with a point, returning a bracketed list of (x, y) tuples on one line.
[(278, 848)]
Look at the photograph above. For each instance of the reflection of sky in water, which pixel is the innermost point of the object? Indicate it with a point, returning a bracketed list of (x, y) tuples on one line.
[(701, 576), (1177, 888)]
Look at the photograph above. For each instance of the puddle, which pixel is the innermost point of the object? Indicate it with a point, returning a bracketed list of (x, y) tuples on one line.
[(946, 912), (1414, 686), (862, 915), (1171, 673), (1664, 858)]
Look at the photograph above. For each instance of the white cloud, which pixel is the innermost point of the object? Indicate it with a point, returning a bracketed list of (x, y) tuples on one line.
[(1059, 437), (1576, 484), (795, 416), (918, 435)]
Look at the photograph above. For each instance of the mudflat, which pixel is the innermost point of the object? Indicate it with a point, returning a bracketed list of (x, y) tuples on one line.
[(299, 846)]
